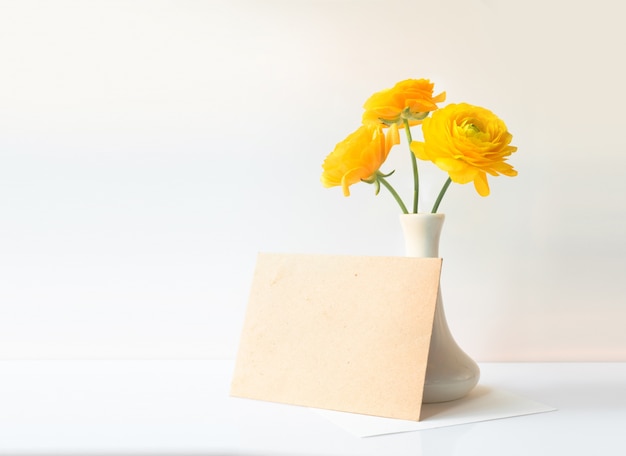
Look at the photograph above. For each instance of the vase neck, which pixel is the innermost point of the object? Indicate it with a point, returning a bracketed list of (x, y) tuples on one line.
[(421, 234)]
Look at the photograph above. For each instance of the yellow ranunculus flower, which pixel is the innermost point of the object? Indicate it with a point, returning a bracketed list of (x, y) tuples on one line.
[(358, 157), (468, 142), (411, 99)]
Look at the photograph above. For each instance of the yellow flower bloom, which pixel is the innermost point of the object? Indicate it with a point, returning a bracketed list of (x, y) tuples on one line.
[(411, 99), (468, 142), (358, 157)]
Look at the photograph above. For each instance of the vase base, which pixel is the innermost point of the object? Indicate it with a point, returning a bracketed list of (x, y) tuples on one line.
[(449, 391)]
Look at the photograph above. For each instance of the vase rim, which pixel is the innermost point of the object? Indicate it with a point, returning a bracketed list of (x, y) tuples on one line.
[(424, 214)]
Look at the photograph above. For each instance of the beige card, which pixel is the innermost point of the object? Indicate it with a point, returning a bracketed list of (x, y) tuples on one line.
[(347, 333)]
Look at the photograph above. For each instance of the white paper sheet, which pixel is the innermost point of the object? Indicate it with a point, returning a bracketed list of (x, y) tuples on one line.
[(482, 404)]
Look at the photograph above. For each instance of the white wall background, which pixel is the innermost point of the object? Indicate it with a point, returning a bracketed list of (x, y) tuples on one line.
[(150, 149)]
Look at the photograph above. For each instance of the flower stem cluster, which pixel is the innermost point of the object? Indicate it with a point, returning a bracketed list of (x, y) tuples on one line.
[(468, 142)]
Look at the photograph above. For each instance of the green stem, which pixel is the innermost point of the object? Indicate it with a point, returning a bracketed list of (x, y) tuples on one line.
[(416, 179), (441, 193), (393, 192)]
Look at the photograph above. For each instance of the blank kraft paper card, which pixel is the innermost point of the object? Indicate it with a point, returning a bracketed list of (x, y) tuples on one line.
[(346, 333)]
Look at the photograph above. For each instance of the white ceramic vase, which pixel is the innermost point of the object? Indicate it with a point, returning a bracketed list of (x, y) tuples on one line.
[(450, 373)]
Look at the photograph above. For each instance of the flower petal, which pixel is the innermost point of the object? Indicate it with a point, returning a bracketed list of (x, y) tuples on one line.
[(481, 185)]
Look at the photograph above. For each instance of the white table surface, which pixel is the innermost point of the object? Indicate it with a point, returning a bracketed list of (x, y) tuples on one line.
[(183, 408)]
